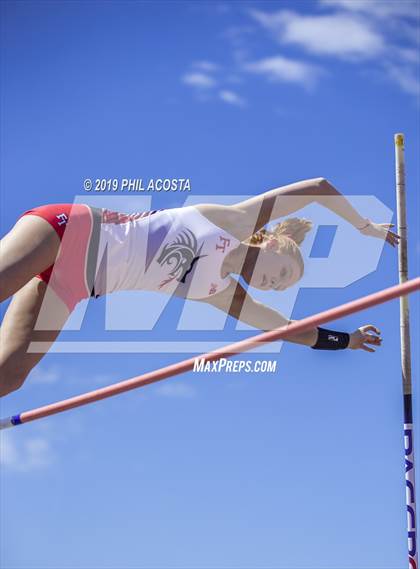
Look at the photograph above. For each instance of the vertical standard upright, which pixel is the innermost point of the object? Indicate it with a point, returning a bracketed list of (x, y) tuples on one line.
[(406, 355)]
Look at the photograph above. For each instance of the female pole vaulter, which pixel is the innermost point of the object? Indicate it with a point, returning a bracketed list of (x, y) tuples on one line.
[(75, 251)]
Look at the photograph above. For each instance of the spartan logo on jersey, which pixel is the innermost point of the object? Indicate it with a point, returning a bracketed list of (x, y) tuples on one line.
[(181, 255)]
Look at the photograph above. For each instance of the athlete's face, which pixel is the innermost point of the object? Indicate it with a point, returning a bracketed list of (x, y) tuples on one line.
[(274, 271)]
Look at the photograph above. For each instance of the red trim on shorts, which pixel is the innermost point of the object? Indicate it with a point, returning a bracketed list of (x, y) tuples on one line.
[(57, 216), (73, 224)]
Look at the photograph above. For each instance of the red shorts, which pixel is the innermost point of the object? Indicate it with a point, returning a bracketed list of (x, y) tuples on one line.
[(73, 273)]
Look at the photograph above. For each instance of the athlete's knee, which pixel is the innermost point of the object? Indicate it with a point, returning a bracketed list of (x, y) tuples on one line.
[(12, 376)]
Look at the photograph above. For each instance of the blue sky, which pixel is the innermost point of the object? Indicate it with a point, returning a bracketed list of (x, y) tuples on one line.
[(301, 469)]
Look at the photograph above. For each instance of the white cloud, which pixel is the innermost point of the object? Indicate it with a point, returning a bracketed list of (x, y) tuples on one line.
[(176, 390), (406, 77), (279, 68), (381, 33), (205, 84), (231, 98), (33, 453), (397, 20), (410, 55), (377, 8), (343, 35), (200, 80), (207, 66)]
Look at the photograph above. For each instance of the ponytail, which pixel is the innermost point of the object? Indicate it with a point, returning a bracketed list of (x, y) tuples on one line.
[(287, 236), (294, 228)]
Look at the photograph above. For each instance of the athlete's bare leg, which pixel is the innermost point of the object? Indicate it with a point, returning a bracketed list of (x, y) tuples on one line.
[(18, 330), (28, 249)]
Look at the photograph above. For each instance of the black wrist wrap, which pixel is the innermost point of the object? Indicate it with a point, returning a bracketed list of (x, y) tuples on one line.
[(331, 340)]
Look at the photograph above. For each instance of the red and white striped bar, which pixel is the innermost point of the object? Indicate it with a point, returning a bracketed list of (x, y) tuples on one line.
[(225, 352)]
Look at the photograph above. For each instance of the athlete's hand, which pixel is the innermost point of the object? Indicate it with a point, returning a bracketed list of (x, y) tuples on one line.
[(365, 337), (381, 231)]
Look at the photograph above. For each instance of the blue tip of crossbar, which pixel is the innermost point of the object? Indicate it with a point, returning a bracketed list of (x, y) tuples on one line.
[(10, 422)]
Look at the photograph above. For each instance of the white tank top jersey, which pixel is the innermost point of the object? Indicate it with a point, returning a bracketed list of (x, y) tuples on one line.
[(172, 251)]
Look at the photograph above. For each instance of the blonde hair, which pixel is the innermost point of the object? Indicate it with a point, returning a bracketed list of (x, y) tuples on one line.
[(289, 234)]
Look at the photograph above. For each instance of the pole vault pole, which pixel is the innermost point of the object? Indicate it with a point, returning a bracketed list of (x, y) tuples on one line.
[(406, 355)]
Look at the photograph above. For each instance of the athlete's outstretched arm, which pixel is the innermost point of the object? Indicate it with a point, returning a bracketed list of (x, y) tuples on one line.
[(285, 200), (236, 302)]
